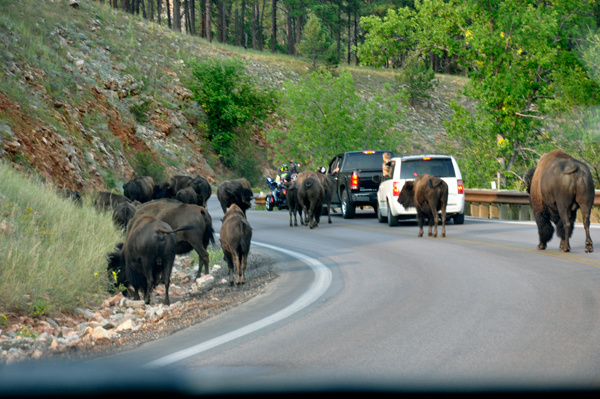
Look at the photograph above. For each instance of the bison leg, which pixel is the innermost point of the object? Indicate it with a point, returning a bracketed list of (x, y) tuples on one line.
[(443, 220), (243, 262), (565, 227), (167, 277), (545, 229), (585, 213), (230, 266), (238, 268), (432, 220), (420, 222), (148, 266)]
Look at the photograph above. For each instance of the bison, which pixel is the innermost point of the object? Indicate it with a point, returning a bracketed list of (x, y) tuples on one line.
[(169, 188), (73, 195), (429, 194), (147, 255), (176, 215), (203, 189), (123, 213), (233, 192), (310, 196), (139, 189), (236, 235), (187, 196), (294, 207), (327, 187), (557, 187), (109, 201)]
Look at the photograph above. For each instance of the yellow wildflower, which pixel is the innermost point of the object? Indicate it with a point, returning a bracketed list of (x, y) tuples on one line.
[(502, 34), (96, 274)]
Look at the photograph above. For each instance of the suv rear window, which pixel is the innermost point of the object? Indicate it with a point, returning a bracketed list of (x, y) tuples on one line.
[(441, 167), (364, 161)]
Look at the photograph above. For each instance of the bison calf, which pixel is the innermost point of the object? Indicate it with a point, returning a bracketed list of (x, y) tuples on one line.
[(236, 235), (429, 194)]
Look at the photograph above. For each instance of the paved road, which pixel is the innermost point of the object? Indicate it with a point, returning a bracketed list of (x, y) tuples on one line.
[(479, 306)]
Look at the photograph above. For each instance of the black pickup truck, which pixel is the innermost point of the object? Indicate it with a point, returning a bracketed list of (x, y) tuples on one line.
[(355, 177)]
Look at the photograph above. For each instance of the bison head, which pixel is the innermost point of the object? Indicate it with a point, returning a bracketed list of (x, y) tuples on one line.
[(407, 195)]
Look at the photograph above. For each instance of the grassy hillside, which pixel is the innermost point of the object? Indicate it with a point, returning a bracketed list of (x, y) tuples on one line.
[(83, 90)]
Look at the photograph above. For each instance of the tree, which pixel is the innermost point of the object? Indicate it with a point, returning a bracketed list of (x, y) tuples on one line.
[(325, 116), (317, 44)]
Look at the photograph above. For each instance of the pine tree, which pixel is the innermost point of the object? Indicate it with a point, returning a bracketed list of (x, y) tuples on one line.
[(317, 43)]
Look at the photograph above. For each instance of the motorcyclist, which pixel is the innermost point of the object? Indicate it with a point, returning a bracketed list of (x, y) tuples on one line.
[(283, 175), (293, 171)]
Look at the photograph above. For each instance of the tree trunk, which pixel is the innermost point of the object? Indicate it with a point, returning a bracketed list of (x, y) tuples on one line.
[(254, 26), (356, 36), (339, 32), (242, 26), (274, 25), (299, 21), (169, 14), (208, 27), (193, 17), (237, 27), (349, 36), (177, 15), (203, 18), (290, 34), (220, 21), (151, 4), (261, 15), (143, 5), (158, 10)]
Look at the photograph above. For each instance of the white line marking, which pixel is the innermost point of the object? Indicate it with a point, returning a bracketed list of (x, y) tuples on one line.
[(317, 288), (523, 222)]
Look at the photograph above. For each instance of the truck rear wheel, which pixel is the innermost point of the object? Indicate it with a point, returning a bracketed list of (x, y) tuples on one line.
[(391, 219), (380, 217), (348, 210)]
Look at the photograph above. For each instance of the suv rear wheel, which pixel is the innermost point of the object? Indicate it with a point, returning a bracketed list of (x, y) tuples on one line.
[(348, 210), (391, 219), (459, 219)]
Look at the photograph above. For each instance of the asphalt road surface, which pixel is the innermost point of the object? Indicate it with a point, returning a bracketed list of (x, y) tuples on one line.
[(481, 306)]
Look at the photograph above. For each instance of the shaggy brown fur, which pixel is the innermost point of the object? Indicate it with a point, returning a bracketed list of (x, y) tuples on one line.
[(236, 235), (557, 188), (310, 196), (428, 194), (294, 207), (327, 187)]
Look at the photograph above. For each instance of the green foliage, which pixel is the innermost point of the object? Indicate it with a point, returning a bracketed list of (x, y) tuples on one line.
[(27, 332), (139, 110), (39, 307), (326, 116), (317, 43), (230, 99), (247, 160), (145, 164), (416, 79)]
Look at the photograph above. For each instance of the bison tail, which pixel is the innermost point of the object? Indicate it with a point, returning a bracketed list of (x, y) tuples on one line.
[(434, 182), (570, 168), (209, 232), (307, 183)]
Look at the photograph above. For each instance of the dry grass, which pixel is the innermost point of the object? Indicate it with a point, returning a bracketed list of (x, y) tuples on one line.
[(51, 251)]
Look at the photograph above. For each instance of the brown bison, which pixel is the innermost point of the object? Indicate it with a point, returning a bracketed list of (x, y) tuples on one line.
[(203, 189), (187, 196), (236, 235), (310, 196), (233, 192), (429, 194), (557, 188), (139, 189), (109, 201), (327, 187), (294, 207), (147, 255), (123, 213), (177, 215)]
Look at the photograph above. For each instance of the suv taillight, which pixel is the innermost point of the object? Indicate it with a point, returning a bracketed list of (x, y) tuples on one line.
[(354, 181), (396, 190), (461, 188)]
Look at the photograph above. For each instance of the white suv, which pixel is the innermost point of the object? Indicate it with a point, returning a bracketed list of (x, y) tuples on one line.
[(407, 167)]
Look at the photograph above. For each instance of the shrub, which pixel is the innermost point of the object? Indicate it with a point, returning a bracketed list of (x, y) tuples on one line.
[(145, 164), (416, 79), (139, 110)]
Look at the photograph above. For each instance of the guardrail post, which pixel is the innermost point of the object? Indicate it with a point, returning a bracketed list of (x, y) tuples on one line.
[(494, 211), (504, 212), (484, 211), (468, 209), (524, 212), (474, 209)]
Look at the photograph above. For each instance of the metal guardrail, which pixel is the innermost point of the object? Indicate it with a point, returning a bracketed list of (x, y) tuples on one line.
[(505, 197)]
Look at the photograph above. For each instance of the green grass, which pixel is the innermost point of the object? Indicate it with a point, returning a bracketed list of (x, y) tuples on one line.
[(51, 251)]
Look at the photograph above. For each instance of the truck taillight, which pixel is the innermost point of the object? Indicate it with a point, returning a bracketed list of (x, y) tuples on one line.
[(354, 180), (461, 188), (396, 190)]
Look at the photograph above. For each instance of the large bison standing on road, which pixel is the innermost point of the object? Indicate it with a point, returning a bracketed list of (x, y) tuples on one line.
[(429, 194), (177, 215), (233, 192), (236, 235), (557, 188), (310, 197)]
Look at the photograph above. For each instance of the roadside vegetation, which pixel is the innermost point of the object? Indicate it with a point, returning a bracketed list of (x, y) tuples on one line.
[(51, 250)]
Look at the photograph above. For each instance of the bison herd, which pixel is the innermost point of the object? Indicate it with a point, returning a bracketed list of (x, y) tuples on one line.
[(163, 220), (168, 219)]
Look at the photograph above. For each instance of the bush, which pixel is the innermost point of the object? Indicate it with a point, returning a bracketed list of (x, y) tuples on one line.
[(230, 99), (416, 79), (246, 161), (145, 164), (139, 110)]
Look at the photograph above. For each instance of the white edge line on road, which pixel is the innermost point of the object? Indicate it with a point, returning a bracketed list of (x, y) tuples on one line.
[(523, 222), (317, 288)]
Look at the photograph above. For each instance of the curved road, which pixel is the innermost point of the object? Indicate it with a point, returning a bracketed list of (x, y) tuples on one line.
[(481, 306)]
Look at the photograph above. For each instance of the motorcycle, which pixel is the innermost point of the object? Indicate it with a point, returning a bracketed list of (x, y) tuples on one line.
[(277, 196)]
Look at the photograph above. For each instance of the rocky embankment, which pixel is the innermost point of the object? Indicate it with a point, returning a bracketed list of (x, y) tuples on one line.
[(119, 323)]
